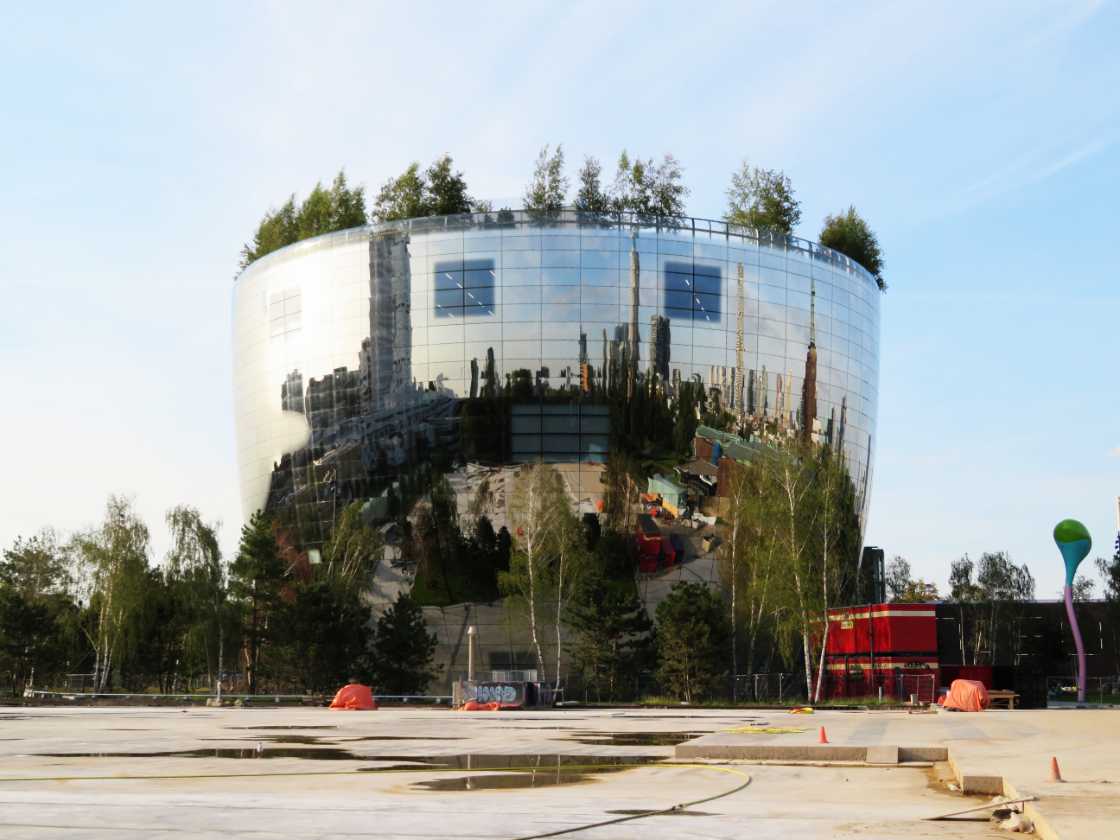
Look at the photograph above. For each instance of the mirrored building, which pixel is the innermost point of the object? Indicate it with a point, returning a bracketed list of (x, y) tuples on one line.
[(514, 337)]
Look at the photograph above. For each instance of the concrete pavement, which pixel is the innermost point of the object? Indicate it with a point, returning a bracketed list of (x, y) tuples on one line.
[(995, 751), (299, 772)]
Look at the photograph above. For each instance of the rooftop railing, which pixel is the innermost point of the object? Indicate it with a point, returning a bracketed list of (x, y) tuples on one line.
[(626, 221)]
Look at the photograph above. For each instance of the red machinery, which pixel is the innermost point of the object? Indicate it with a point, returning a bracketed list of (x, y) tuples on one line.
[(892, 647), (656, 550), (648, 541)]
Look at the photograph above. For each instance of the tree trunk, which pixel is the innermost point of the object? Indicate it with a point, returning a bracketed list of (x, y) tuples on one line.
[(808, 664), (734, 617), (530, 560), (824, 598), (795, 555), (820, 666), (559, 611), (804, 637)]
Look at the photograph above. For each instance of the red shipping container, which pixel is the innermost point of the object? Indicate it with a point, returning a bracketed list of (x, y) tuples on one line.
[(892, 647)]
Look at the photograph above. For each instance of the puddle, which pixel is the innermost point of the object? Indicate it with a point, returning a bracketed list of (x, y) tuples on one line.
[(279, 727), (277, 739), (521, 763), (504, 781), (313, 753), (401, 738), (553, 761), (739, 718), (635, 739), (531, 771)]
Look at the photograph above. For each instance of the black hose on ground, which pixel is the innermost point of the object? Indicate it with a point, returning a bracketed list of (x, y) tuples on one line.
[(629, 817)]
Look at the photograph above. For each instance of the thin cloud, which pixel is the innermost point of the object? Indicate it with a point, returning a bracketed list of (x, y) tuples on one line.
[(1031, 168), (1114, 452)]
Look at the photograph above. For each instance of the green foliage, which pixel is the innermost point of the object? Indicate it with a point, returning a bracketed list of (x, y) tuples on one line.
[(548, 187), (167, 628), (197, 620), (612, 635), (692, 639), (37, 637), (256, 578), (548, 554), (115, 558), (648, 188), (403, 197), (403, 649), (849, 234), (354, 550), (904, 589), (1083, 588), (591, 197), (323, 211), (36, 566), (690, 402), (452, 567), (621, 481), (762, 199), (439, 191), (999, 587), (321, 636), (1110, 574), (447, 190), (994, 578), (791, 550)]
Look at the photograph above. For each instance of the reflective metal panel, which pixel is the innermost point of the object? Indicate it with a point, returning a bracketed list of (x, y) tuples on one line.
[(505, 337)]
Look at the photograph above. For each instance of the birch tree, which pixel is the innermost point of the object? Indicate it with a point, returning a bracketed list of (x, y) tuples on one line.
[(534, 513), (732, 556), (115, 557), (794, 475), (570, 557), (548, 555), (354, 551), (194, 575)]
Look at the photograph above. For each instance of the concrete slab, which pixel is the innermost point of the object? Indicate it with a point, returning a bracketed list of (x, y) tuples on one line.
[(882, 754), (97, 773), (990, 752)]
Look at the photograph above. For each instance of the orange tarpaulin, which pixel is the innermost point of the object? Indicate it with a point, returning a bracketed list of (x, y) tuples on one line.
[(475, 706), (967, 696), (354, 697)]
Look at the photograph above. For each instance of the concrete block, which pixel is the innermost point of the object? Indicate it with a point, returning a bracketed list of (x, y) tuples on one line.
[(882, 754)]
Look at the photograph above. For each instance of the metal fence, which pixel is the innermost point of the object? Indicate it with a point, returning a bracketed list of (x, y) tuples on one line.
[(794, 247), (921, 687), (276, 698), (769, 687)]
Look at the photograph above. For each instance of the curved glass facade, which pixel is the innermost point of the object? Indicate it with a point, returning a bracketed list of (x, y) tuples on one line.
[(505, 337)]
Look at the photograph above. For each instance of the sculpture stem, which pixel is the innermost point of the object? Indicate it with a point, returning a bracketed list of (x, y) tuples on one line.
[(1068, 591)]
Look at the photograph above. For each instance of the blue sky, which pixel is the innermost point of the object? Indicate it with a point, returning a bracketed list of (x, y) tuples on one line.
[(140, 145)]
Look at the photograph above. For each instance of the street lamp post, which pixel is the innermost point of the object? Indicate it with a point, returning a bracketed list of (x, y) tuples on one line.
[(471, 633)]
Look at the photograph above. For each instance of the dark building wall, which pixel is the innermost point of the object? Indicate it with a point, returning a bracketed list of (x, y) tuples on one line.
[(1034, 636)]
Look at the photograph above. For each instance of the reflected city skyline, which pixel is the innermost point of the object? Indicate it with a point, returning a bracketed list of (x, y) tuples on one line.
[(546, 323)]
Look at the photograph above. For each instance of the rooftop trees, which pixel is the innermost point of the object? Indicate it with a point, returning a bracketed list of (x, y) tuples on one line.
[(323, 211), (849, 234)]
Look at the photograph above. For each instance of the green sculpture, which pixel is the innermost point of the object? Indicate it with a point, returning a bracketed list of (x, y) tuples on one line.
[(1074, 543)]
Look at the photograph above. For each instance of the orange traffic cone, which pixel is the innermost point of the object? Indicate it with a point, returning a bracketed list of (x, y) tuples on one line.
[(822, 739), (1055, 771)]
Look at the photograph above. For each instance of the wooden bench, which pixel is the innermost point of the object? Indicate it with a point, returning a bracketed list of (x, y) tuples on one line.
[(1001, 695)]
